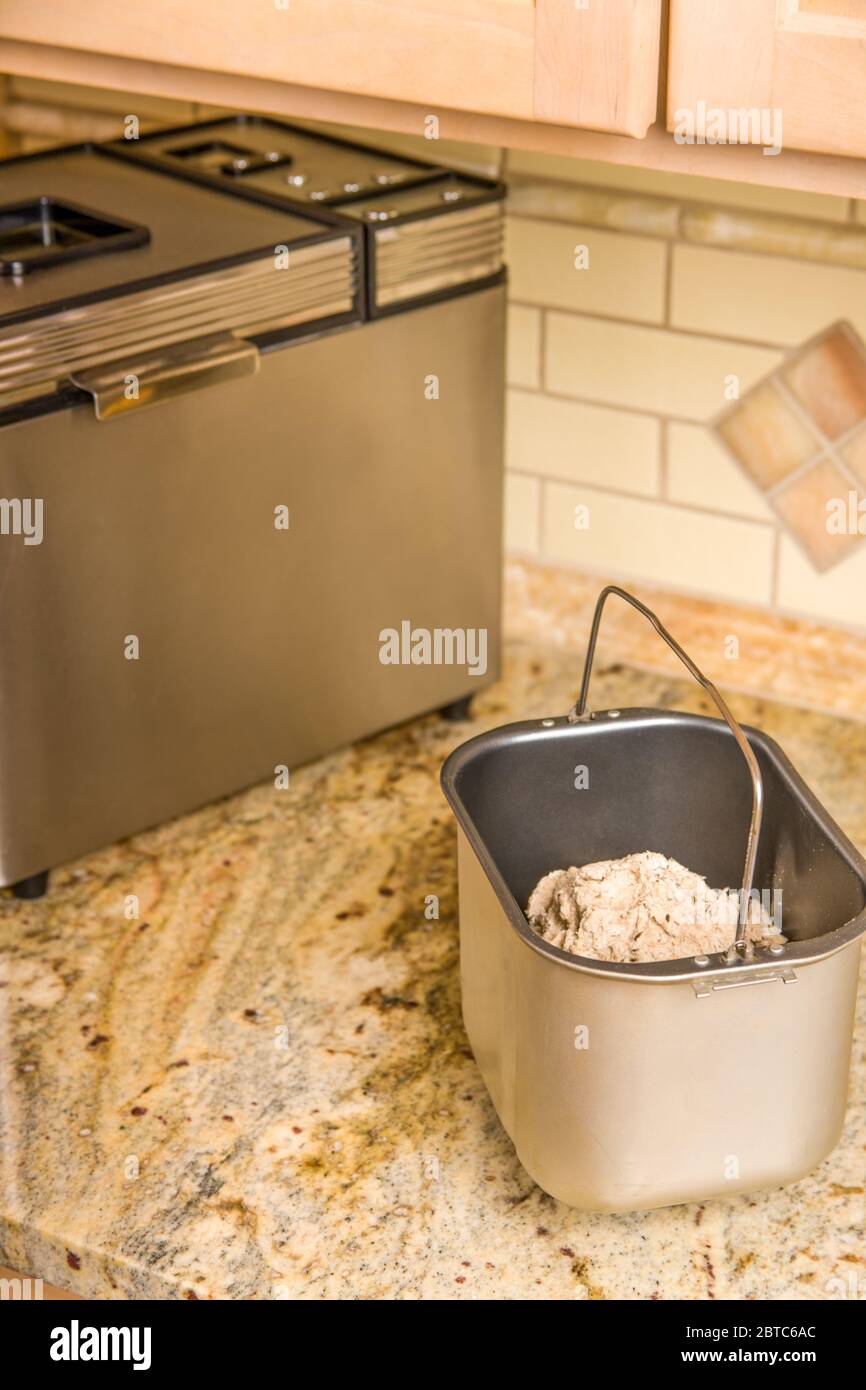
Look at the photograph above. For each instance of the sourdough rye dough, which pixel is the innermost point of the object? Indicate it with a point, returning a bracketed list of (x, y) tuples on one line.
[(640, 908)]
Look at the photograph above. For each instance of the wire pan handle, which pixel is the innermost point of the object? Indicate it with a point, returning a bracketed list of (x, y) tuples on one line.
[(580, 712)]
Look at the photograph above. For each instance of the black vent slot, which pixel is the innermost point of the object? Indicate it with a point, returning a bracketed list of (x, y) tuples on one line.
[(44, 232), (234, 161)]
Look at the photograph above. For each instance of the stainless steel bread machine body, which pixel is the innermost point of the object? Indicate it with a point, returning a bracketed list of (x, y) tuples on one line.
[(627, 1087), (265, 389)]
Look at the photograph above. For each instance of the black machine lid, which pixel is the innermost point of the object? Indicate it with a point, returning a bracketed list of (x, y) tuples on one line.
[(282, 163), (103, 260), (429, 231), (77, 225), (278, 162)]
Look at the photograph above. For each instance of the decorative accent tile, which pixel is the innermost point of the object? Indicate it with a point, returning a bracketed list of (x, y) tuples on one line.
[(800, 435), (803, 504), (829, 380), (768, 436), (854, 454)]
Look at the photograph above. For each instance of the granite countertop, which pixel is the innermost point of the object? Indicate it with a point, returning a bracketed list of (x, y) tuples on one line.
[(261, 1088)]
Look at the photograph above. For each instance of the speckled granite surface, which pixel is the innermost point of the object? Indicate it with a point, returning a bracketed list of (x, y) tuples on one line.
[(261, 1087), (794, 660)]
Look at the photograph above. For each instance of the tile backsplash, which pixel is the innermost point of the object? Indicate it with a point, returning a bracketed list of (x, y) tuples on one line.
[(639, 302), (643, 307)]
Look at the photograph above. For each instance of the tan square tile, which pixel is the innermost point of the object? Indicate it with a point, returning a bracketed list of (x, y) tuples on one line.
[(854, 454), (768, 438), (830, 381), (804, 506)]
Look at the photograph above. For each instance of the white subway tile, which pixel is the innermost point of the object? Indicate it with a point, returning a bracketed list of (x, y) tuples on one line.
[(701, 473), (523, 365), (838, 595), (773, 299), (648, 369), (583, 443), (522, 505), (622, 276), (658, 543)]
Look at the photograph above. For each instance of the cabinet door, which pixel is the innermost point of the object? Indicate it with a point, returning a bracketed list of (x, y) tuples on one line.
[(796, 65), (591, 63), (597, 64)]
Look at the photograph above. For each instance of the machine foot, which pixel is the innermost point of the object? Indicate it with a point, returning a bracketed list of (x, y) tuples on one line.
[(33, 887), (459, 710)]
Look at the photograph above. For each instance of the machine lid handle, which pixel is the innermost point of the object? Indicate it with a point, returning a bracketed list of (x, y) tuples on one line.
[(580, 713), (134, 383)]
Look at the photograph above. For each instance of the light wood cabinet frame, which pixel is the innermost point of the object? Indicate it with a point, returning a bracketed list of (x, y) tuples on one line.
[(803, 59), (559, 61)]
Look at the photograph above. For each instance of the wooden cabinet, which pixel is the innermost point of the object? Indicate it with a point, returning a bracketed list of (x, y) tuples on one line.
[(796, 65), (577, 78), (586, 63), (596, 65)]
